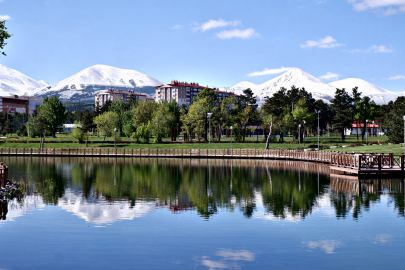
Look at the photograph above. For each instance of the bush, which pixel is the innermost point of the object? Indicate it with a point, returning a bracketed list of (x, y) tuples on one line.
[(78, 134)]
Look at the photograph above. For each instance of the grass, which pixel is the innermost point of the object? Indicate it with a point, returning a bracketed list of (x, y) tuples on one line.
[(333, 140)]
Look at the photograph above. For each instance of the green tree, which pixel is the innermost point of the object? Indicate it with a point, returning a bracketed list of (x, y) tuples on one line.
[(393, 120), (223, 114), (52, 113), (106, 122), (3, 36), (197, 116), (87, 122), (366, 110), (161, 120), (78, 133), (143, 113), (341, 109)]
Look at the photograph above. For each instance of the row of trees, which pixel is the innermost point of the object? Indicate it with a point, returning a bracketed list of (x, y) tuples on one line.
[(292, 111)]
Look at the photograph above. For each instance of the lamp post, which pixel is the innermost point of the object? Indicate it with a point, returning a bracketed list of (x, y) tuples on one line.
[(366, 131), (303, 135), (318, 111), (372, 133), (299, 136), (209, 127), (231, 136), (404, 133), (115, 139)]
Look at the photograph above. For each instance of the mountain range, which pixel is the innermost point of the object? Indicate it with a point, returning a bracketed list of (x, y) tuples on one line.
[(83, 85)]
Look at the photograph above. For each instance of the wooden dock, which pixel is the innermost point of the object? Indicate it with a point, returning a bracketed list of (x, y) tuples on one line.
[(340, 163)]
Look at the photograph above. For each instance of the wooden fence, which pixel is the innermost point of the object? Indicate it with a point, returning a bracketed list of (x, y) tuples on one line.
[(354, 161)]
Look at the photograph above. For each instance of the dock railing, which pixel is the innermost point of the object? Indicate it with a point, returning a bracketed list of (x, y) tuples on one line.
[(355, 161), (368, 161)]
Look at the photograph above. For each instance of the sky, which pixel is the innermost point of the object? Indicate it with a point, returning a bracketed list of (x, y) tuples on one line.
[(216, 43)]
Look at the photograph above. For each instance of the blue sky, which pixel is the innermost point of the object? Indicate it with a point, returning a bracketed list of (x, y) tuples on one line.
[(216, 43)]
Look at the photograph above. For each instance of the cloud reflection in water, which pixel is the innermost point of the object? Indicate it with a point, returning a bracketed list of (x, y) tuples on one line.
[(230, 259)]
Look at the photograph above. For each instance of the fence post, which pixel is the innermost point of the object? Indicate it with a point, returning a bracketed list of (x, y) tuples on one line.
[(402, 162), (360, 157), (379, 162)]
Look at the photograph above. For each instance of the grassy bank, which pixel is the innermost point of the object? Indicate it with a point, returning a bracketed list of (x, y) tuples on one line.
[(66, 141)]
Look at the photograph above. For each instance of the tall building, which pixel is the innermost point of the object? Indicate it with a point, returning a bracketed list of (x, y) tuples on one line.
[(183, 92), (13, 104), (113, 95)]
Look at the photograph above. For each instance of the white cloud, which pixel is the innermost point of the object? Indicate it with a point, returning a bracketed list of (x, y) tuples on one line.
[(374, 49), (4, 17), (326, 42), (237, 33), (398, 77), (211, 24), (330, 76), (177, 26), (267, 71), (386, 7)]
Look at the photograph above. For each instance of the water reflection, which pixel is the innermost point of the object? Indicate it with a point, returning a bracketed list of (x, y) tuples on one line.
[(228, 259), (105, 190), (355, 196)]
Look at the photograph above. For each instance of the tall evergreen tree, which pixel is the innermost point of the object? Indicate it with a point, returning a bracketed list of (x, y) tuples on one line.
[(341, 105)]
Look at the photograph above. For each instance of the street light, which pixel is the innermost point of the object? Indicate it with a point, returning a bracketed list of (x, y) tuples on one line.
[(318, 111), (299, 136), (404, 134), (372, 134), (209, 127), (303, 135), (366, 131), (231, 136), (115, 139)]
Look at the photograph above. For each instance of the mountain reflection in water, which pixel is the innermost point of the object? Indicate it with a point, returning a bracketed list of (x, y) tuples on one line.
[(105, 190)]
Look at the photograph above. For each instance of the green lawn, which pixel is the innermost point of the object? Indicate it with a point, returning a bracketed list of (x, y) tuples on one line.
[(333, 140)]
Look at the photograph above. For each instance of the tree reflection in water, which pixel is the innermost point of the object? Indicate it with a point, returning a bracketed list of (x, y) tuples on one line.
[(357, 196), (286, 188)]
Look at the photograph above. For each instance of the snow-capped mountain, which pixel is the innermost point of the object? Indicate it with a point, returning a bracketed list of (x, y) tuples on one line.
[(83, 85), (13, 82), (299, 78), (378, 94), (239, 87), (318, 88)]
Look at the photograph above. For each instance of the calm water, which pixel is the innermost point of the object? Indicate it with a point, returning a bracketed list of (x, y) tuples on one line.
[(198, 214)]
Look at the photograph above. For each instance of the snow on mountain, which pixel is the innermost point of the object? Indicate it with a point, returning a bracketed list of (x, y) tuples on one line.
[(299, 78), (239, 87), (44, 82), (378, 94), (318, 88), (13, 82), (83, 85)]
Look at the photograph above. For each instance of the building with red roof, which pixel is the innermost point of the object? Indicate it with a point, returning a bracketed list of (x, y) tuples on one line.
[(183, 92), (113, 95)]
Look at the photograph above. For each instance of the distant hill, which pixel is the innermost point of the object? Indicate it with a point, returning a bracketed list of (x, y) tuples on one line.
[(318, 88), (82, 86), (13, 82), (78, 106)]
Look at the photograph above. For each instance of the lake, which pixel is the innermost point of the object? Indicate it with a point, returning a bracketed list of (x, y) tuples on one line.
[(107, 213)]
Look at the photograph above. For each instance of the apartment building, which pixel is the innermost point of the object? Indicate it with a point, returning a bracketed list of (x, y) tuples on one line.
[(113, 95), (183, 92), (23, 104)]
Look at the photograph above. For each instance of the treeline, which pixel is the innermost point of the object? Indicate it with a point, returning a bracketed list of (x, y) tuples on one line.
[(291, 112)]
